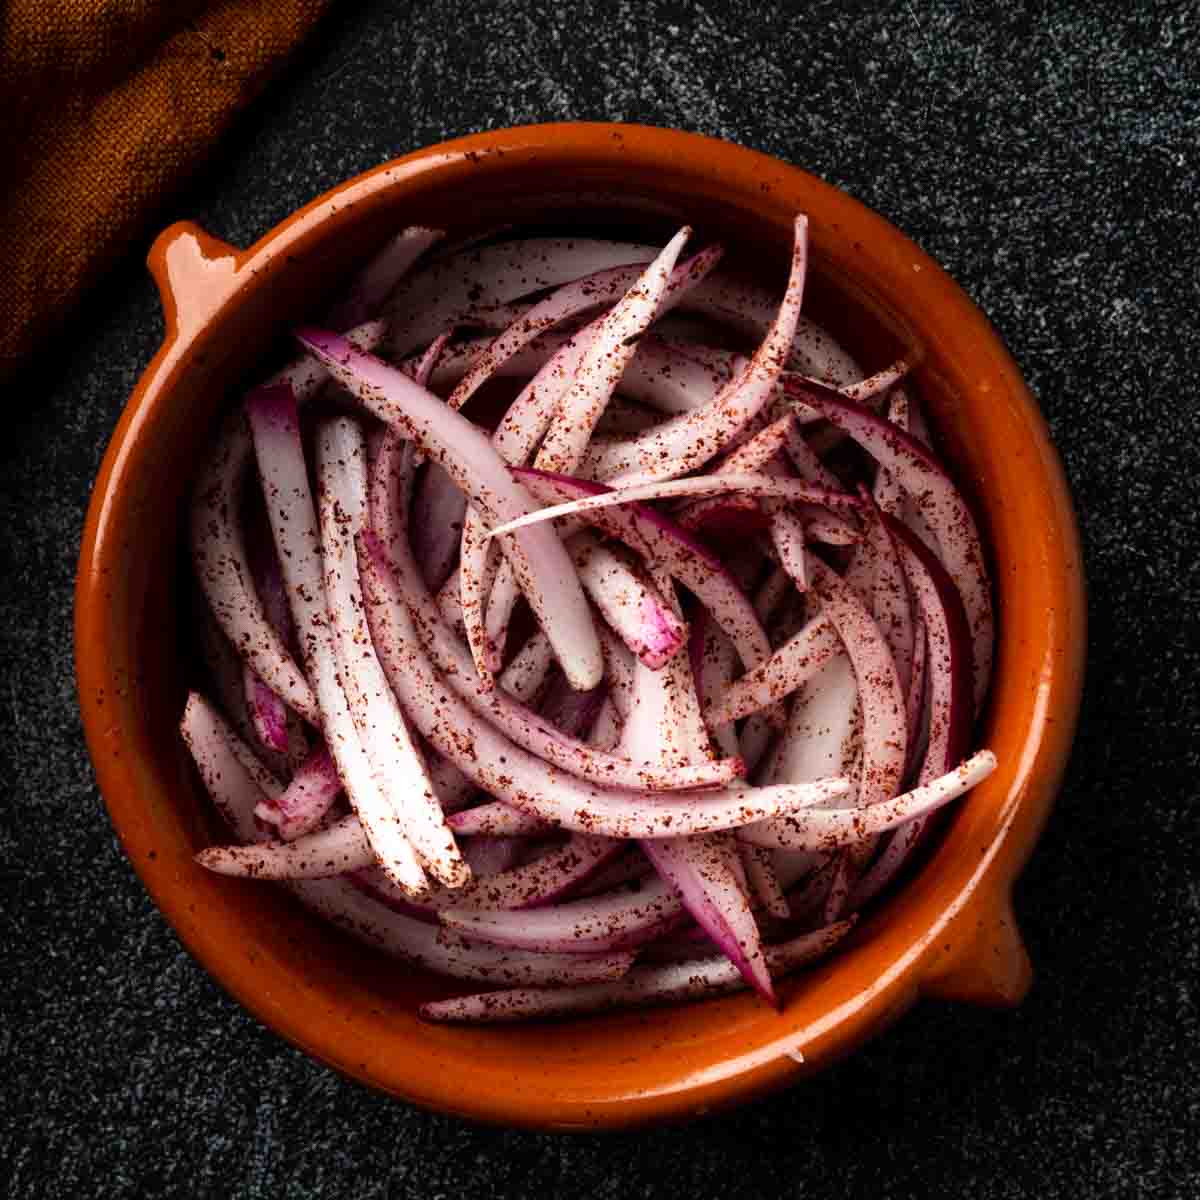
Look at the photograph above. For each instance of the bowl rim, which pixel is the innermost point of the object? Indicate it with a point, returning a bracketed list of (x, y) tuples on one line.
[(969, 949)]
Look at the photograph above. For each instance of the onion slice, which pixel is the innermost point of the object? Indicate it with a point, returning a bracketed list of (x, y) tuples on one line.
[(604, 360), (397, 763), (829, 829), (236, 795), (616, 920), (460, 289), (545, 571), (667, 984), (686, 442), (703, 485), (937, 500), (793, 664), (501, 767), (302, 805), (274, 424), (340, 847), (708, 875), (397, 586), (948, 667), (661, 542)]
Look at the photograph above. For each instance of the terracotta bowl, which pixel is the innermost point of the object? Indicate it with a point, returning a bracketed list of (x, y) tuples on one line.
[(948, 932)]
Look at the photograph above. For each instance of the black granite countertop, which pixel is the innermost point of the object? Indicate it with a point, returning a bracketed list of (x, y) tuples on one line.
[(1046, 154)]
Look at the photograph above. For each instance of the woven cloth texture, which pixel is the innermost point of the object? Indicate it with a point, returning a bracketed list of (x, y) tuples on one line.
[(105, 106)]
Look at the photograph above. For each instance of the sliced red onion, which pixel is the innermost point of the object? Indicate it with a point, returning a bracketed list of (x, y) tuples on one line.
[(567, 408), (763, 882), (667, 984), (523, 426), (708, 875), (568, 301), (502, 768), (914, 700), (885, 735), (449, 603), (798, 660), (862, 391), (788, 538), (460, 289), (665, 724), (750, 310), (620, 920), (223, 759), (224, 669), (439, 510), (939, 503), (625, 418), (948, 680), (686, 442), (808, 902), (275, 428), (516, 438), (397, 586), (606, 356), (771, 593), (454, 790), (663, 542), (662, 376), (755, 454), (606, 731), (889, 495), (439, 504), (334, 850), (221, 565), (633, 607), (236, 796), (525, 675), (618, 671), (495, 819), (890, 600), (396, 762), (543, 568), (701, 485), (301, 807), (479, 561), (267, 711), (526, 887), (824, 731), (433, 949), (569, 711), (372, 285), (488, 856), (760, 454), (218, 550), (571, 300), (713, 661), (390, 490), (807, 463), (631, 868), (829, 829)]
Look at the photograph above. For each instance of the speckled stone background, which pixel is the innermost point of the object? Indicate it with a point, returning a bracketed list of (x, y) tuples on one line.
[(1047, 155)]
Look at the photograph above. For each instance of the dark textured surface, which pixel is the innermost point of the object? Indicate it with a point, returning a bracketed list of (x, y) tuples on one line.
[(1047, 155)]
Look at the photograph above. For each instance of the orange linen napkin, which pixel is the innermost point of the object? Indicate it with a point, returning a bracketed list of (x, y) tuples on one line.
[(105, 105)]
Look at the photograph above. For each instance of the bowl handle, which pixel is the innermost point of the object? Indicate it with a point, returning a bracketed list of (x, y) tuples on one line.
[(984, 960), (195, 274)]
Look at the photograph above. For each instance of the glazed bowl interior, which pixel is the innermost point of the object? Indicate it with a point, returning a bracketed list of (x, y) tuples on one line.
[(947, 930)]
